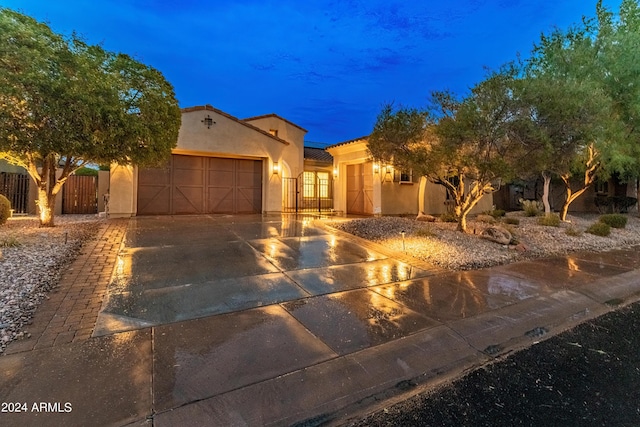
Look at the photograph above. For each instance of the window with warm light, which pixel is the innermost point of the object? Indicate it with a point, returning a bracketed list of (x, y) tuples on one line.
[(273, 132)]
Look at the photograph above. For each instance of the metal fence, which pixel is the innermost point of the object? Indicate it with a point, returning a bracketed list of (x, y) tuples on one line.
[(311, 191)]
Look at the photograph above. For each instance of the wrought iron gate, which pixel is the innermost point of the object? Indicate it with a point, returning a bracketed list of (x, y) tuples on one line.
[(311, 191)]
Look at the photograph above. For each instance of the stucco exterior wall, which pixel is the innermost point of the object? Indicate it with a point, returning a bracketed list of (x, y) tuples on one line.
[(400, 199), (435, 200), (123, 187), (229, 137)]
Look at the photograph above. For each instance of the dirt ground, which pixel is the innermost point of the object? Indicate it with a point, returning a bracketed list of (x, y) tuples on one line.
[(588, 376)]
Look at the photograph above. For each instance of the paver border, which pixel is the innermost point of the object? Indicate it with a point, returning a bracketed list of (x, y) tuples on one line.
[(70, 310)]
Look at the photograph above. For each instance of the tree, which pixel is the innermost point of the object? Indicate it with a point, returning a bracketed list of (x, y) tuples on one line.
[(466, 146), (64, 104), (584, 94), (620, 78)]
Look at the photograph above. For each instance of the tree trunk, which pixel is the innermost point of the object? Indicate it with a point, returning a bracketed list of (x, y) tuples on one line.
[(545, 193), (570, 196), (46, 207), (462, 218)]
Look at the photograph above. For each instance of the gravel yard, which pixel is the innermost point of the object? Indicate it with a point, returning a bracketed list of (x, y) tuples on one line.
[(32, 260), (439, 243)]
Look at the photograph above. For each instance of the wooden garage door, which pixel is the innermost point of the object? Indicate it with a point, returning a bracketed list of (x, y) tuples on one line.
[(360, 189), (194, 185)]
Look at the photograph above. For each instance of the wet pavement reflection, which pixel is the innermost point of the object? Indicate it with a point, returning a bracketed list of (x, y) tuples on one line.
[(351, 321), (180, 268)]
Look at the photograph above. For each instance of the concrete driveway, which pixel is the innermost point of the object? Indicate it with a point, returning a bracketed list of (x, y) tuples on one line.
[(180, 268), (251, 320)]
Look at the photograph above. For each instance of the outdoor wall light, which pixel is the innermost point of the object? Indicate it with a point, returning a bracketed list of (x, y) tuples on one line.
[(388, 173), (376, 168), (276, 168), (335, 172), (208, 121)]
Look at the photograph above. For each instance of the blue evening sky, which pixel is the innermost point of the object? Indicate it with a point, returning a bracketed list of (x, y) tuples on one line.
[(326, 65)]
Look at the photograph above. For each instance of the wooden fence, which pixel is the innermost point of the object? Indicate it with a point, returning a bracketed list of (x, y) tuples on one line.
[(15, 187), (80, 195)]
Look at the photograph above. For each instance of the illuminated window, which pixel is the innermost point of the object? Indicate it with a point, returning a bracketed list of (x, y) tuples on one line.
[(273, 132), (315, 184)]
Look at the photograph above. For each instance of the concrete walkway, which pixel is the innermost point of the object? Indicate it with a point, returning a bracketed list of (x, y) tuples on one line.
[(277, 321)]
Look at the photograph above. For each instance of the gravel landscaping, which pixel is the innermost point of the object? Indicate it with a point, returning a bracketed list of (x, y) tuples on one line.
[(32, 260), (439, 243)]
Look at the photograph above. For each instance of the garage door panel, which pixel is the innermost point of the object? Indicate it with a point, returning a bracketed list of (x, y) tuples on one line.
[(249, 200), (188, 200), (220, 200), (194, 184), (154, 190)]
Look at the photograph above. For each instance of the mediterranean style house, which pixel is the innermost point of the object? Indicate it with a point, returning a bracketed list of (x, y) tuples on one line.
[(364, 187), (221, 164)]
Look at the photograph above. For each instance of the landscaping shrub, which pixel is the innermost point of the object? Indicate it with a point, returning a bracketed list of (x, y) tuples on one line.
[(511, 220), (599, 229), (614, 220), (574, 232), (5, 209), (531, 207), (425, 232), (496, 213), (9, 242), (487, 219), (552, 220), (448, 217)]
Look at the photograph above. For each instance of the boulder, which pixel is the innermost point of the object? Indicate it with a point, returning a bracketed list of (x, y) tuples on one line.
[(428, 218), (497, 234)]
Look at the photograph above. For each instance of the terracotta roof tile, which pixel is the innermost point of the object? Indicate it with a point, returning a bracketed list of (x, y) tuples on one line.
[(264, 116), (317, 154), (362, 138)]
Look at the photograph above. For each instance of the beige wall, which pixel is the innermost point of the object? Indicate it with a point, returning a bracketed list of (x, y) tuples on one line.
[(392, 198), (435, 197), (123, 187), (226, 137)]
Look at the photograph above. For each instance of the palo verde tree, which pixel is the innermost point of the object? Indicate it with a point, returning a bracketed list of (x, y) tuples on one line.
[(619, 73), (466, 146), (65, 103), (581, 89)]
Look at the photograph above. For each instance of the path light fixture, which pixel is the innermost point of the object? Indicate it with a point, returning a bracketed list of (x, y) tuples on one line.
[(276, 168), (403, 232)]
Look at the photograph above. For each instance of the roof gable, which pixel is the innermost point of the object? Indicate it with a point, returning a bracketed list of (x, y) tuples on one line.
[(235, 119)]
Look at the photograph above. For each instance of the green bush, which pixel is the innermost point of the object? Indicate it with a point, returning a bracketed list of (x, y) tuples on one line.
[(511, 220), (424, 232), (552, 220), (531, 207), (614, 220), (487, 219), (599, 229), (574, 232), (86, 172), (496, 213), (448, 217), (5, 209)]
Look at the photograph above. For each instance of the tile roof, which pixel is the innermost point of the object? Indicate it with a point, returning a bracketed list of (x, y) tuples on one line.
[(362, 138), (317, 154), (235, 119), (264, 116)]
